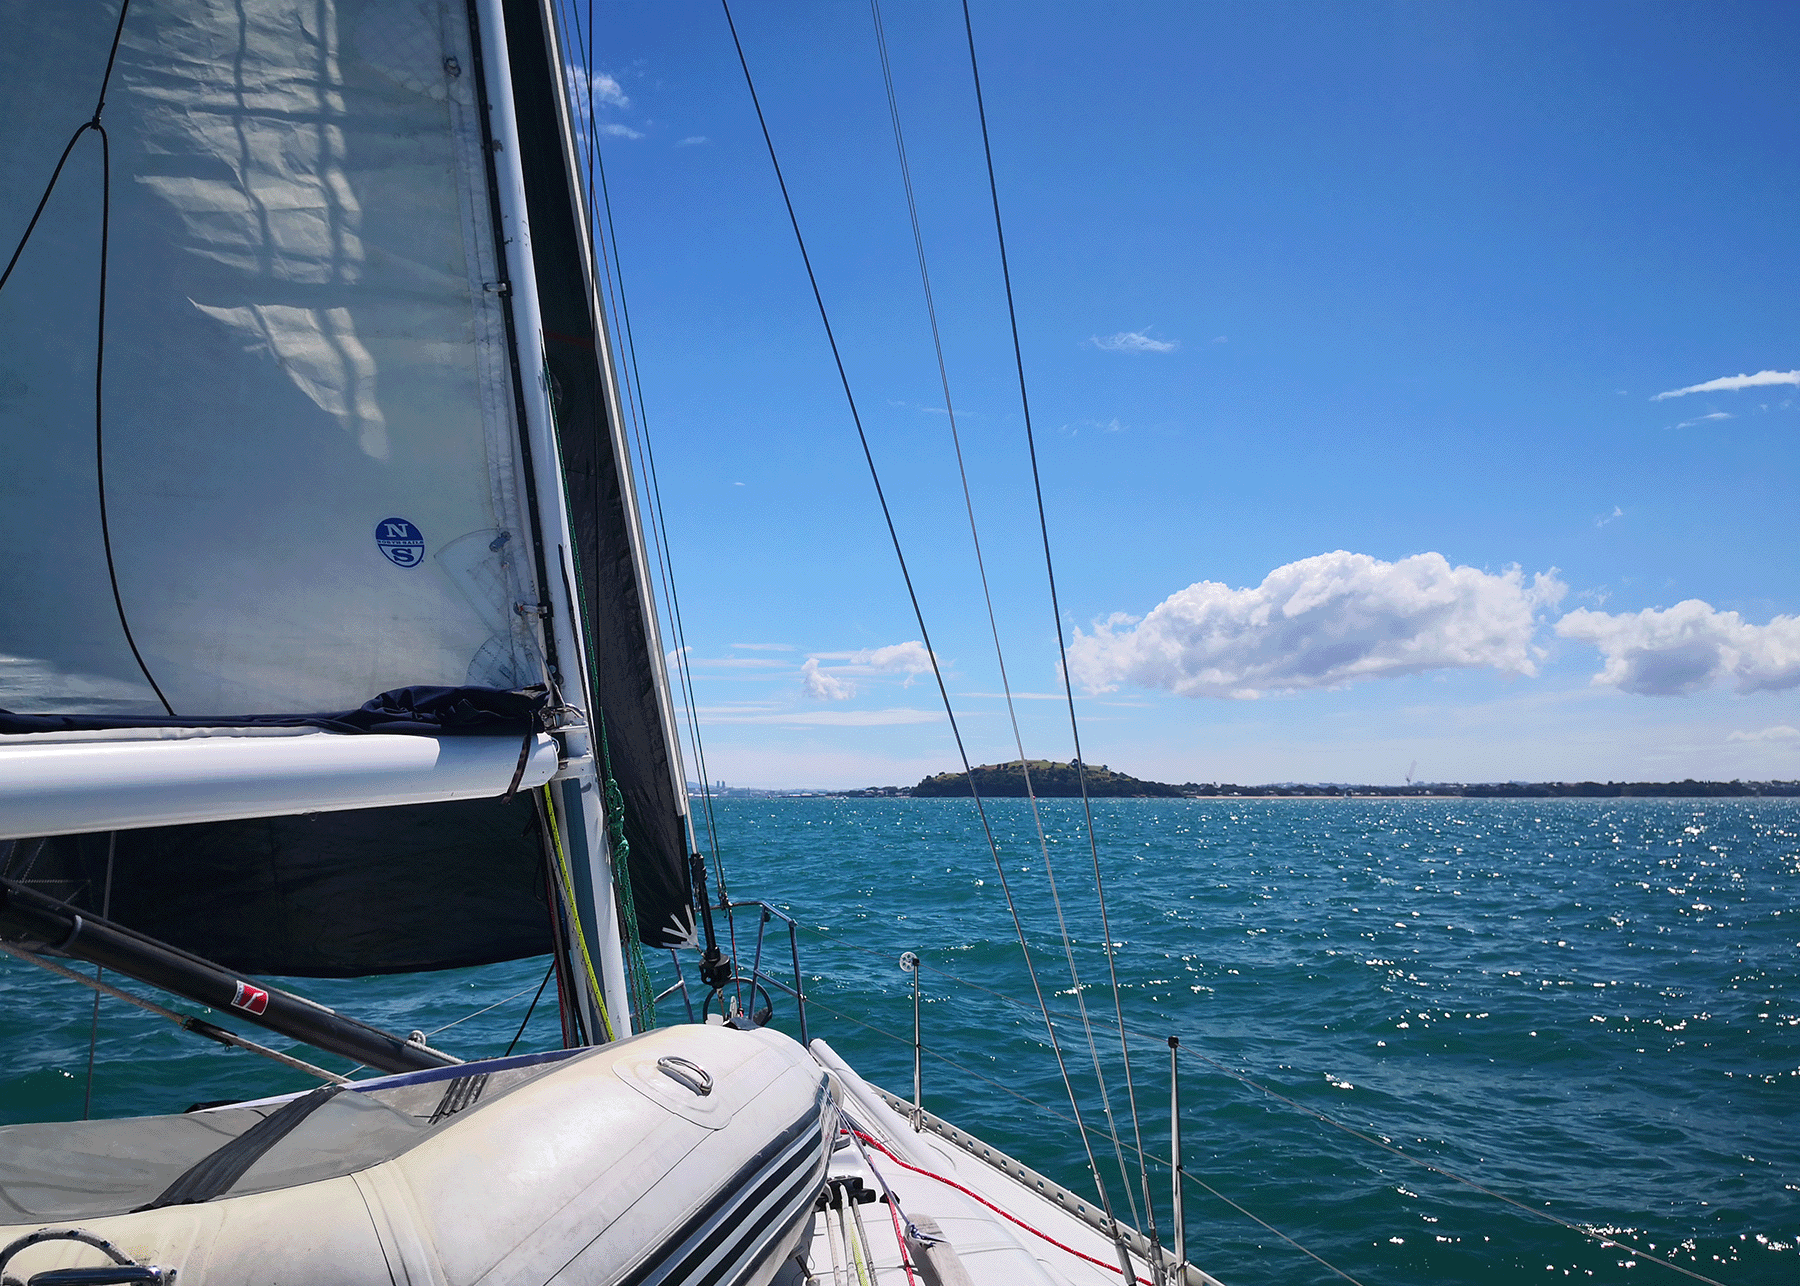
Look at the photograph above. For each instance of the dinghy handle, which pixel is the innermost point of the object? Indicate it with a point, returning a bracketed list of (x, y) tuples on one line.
[(122, 1269), (685, 1070)]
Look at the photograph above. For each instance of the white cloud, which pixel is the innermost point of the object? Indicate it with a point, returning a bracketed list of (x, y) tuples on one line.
[(1603, 519), (620, 131), (1781, 732), (767, 647), (817, 685), (692, 140), (607, 90), (1322, 622), (827, 718), (908, 658), (1702, 419), (1731, 383), (1133, 341), (1670, 652)]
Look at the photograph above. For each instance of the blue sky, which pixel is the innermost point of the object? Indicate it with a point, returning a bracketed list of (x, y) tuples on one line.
[(1348, 328)]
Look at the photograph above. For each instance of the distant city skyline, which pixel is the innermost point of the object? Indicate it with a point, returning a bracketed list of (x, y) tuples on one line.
[(1410, 384)]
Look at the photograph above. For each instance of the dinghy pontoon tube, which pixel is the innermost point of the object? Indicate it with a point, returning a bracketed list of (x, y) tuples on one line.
[(685, 1155)]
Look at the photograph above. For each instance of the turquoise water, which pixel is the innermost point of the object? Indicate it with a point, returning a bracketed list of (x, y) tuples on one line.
[(1592, 1007)]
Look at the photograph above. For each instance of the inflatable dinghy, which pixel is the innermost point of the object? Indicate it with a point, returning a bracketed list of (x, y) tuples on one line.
[(685, 1155)]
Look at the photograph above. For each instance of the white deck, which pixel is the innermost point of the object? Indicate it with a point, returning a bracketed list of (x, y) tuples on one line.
[(1049, 1245)]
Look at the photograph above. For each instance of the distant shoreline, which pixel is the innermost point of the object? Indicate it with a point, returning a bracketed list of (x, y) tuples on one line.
[(955, 786)]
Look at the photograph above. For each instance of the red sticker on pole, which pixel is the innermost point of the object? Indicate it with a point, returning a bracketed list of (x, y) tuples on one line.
[(252, 1000)]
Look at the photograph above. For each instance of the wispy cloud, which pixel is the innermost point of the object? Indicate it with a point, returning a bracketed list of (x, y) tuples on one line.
[(1322, 622), (1671, 652), (1017, 696), (828, 718), (1702, 419), (1603, 519), (766, 647), (1780, 733), (692, 140), (1731, 383), (1133, 341), (620, 131), (910, 659), (738, 662), (834, 682)]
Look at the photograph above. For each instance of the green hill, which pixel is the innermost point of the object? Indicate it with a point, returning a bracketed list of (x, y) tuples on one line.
[(1048, 779)]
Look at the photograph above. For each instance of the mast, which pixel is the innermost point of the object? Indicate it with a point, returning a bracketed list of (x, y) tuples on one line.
[(578, 815)]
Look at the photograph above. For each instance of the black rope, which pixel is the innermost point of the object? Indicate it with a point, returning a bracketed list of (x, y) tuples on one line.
[(531, 1008), (918, 612), (93, 123)]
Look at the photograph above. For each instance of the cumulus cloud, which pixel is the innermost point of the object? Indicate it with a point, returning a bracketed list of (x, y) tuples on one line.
[(1133, 341), (607, 90), (1669, 652), (1322, 622), (1732, 383), (817, 685), (620, 131)]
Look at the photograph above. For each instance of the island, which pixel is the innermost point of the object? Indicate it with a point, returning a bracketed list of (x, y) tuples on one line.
[(1050, 780)]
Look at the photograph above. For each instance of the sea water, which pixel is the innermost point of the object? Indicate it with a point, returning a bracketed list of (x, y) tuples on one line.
[(1590, 1007)]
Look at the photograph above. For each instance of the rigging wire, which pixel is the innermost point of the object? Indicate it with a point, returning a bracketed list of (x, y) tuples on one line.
[(919, 616), (93, 123), (1055, 607), (912, 208), (198, 1026), (488, 1008), (637, 413), (87, 1093)]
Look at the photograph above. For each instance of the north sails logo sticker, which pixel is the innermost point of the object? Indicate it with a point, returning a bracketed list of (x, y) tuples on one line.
[(403, 543), (252, 1000)]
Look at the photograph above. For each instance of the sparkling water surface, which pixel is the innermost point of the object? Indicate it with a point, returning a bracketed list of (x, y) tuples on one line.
[(1591, 1007)]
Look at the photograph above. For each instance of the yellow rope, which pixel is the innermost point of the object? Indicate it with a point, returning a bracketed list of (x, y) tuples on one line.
[(568, 888)]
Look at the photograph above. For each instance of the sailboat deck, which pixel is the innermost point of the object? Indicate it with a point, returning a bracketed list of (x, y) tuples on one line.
[(995, 1220)]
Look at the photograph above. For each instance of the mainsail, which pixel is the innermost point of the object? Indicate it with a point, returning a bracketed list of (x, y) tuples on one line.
[(321, 459)]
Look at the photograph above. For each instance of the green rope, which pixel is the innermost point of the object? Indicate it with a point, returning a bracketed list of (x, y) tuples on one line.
[(637, 974)]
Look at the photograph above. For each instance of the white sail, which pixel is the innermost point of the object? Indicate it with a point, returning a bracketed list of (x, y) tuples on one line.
[(310, 450)]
